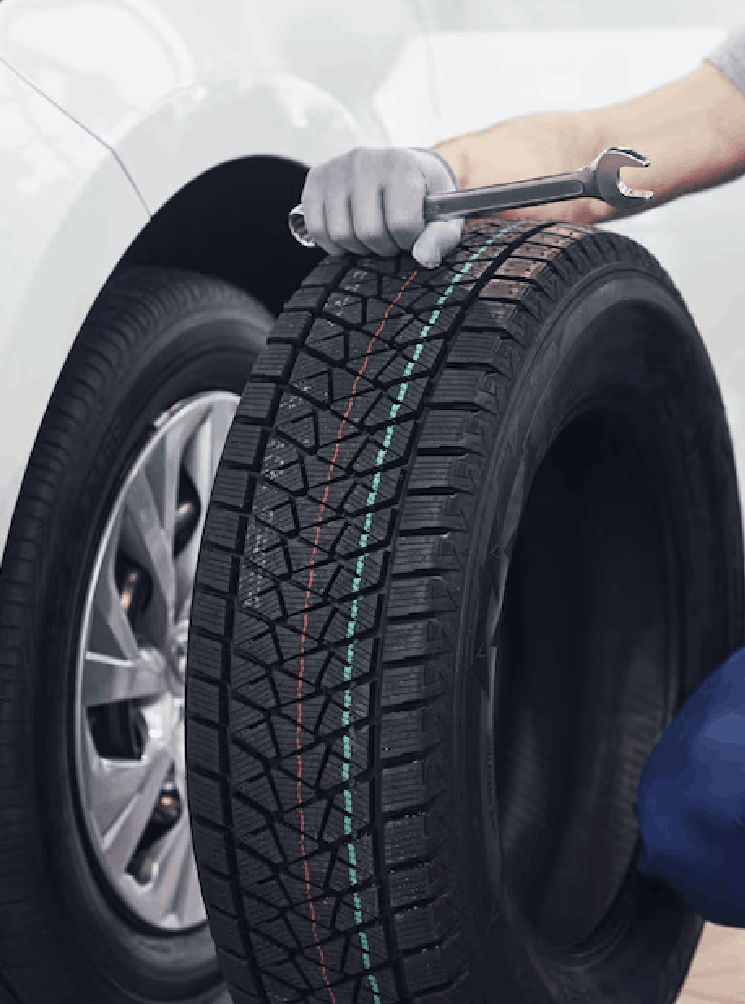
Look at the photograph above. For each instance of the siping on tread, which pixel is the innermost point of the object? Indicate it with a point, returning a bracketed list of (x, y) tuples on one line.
[(346, 492)]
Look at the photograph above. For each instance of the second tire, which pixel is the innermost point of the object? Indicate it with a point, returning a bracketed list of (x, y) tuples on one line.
[(474, 538)]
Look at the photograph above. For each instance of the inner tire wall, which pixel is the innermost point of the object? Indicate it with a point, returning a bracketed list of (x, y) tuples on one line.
[(244, 668)]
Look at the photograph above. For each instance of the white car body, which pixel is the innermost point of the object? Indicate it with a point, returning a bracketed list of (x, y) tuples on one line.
[(109, 109)]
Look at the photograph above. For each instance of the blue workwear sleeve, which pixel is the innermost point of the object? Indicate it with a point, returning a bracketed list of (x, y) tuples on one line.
[(691, 799), (729, 57)]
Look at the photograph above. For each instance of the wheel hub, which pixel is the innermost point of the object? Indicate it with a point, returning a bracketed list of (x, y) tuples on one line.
[(131, 669)]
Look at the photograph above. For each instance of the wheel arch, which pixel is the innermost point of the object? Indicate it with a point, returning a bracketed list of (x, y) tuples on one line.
[(231, 222)]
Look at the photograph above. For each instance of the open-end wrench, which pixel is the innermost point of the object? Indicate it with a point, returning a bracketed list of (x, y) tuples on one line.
[(601, 180)]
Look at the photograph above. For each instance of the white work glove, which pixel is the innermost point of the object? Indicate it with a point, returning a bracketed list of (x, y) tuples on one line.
[(371, 200)]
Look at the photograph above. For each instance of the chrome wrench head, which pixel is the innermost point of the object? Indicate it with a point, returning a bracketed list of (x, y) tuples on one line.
[(607, 175), (296, 223)]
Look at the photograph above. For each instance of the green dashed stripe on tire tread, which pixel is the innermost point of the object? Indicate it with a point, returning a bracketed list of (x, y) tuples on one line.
[(356, 582)]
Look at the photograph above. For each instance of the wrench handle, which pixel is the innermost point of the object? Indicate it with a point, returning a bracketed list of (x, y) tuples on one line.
[(493, 198)]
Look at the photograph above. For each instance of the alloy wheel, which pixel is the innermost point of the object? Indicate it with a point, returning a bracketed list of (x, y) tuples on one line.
[(130, 674)]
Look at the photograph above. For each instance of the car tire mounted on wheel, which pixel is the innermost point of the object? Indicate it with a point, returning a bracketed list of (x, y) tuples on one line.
[(99, 897)]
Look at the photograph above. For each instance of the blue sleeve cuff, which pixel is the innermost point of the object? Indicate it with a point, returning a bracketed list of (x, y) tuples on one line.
[(691, 799)]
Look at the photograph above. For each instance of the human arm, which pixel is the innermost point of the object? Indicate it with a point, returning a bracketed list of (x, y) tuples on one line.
[(692, 130)]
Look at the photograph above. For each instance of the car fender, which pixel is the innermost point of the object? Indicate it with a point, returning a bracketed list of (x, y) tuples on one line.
[(68, 211), (177, 92)]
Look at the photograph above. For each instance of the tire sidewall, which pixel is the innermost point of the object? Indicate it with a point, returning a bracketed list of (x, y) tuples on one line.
[(207, 350), (567, 369)]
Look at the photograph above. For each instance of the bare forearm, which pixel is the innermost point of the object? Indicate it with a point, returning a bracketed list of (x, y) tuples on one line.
[(527, 146), (692, 129)]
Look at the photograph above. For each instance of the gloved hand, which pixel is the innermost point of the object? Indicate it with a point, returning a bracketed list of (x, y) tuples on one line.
[(370, 200)]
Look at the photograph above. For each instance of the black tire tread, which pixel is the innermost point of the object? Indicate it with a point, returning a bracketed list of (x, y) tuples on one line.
[(240, 680)]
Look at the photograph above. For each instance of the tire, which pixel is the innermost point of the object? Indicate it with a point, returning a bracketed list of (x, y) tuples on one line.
[(159, 363), (474, 537)]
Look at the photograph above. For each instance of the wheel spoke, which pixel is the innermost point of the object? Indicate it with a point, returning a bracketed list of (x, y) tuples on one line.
[(163, 469), (223, 414), (205, 447), (165, 463), (198, 457), (142, 787), (201, 458), (109, 785), (189, 907), (170, 886), (193, 905), (106, 680), (198, 461), (149, 541), (111, 634)]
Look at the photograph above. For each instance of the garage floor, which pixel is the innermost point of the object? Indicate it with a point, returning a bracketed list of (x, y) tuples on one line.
[(717, 975)]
